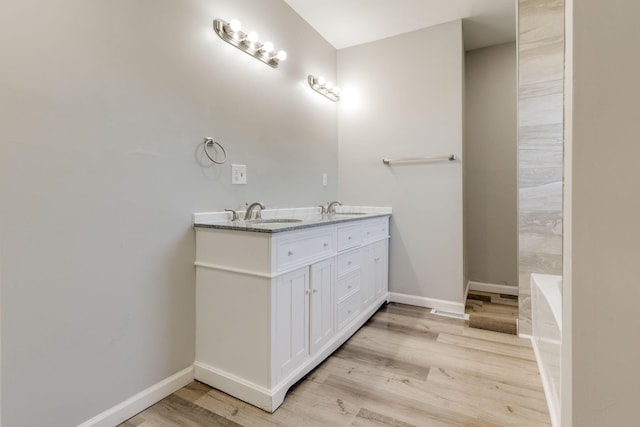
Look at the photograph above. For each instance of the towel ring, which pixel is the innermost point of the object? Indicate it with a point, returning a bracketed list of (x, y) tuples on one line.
[(208, 141)]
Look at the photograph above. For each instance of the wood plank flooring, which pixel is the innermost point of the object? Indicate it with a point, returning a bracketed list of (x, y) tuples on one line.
[(493, 312), (406, 367)]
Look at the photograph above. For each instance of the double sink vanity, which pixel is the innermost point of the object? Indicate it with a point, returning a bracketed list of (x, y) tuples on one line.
[(276, 295)]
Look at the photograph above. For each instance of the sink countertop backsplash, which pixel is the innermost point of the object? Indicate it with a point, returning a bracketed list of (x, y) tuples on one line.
[(309, 216)]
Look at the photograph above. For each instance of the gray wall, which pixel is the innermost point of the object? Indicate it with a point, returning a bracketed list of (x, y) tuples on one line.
[(605, 289), (540, 123), (491, 205), (403, 97), (103, 109)]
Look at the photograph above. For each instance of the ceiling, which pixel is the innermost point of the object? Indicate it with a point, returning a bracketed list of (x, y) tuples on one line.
[(345, 23)]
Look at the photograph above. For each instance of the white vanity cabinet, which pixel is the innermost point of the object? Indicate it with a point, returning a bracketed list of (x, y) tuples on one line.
[(291, 307), (272, 306), (376, 266), (321, 315), (303, 307), (374, 261)]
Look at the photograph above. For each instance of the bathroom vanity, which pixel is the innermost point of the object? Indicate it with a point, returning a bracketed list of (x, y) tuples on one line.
[(274, 299)]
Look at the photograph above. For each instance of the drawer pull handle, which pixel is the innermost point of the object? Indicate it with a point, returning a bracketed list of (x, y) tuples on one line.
[(290, 253), (315, 291), (377, 259)]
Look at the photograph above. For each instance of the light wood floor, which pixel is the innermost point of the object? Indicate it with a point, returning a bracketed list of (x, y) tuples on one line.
[(405, 367)]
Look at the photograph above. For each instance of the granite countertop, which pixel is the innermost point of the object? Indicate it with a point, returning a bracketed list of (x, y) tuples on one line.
[(309, 217)]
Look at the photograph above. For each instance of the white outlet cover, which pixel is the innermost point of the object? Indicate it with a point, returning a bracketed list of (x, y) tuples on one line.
[(238, 174)]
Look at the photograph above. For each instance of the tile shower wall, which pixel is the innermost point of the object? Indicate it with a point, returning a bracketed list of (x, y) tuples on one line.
[(540, 121)]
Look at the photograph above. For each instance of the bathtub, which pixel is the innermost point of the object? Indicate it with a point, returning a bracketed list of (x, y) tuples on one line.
[(546, 313)]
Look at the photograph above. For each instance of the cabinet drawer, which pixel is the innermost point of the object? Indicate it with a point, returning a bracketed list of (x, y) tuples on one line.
[(304, 248), (376, 229), (349, 261), (347, 285), (348, 310), (349, 236)]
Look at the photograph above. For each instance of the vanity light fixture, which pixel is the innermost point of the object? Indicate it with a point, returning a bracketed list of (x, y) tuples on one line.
[(323, 87), (232, 33)]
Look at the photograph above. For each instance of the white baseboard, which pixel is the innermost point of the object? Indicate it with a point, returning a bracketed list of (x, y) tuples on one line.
[(440, 304), (493, 287), (238, 387), (141, 401)]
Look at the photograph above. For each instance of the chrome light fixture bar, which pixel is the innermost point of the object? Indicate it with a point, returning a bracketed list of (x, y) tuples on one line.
[(232, 33), (323, 87)]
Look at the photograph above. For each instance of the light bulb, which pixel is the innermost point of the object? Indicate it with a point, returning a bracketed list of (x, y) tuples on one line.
[(281, 55), (235, 25), (252, 37), (321, 81), (329, 85), (336, 90), (267, 47)]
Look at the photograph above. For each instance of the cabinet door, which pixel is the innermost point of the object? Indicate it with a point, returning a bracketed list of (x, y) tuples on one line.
[(292, 320), (380, 268), (322, 303), (367, 278)]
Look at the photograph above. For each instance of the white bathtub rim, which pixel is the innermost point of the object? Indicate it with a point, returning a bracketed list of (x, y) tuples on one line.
[(550, 285)]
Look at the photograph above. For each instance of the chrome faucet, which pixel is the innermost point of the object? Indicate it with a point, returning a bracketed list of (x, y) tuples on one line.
[(252, 206), (331, 209), (234, 214), (323, 209)]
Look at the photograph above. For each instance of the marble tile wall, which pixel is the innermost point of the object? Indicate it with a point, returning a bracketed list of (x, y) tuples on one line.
[(540, 127)]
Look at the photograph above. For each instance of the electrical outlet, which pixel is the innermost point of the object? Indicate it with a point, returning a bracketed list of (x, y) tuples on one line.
[(324, 179), (238, 174)]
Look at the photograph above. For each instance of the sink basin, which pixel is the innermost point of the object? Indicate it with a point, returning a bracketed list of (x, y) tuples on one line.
[(350, 213), (274, 221)]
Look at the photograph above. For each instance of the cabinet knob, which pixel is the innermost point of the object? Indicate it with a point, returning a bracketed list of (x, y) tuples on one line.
[(349, 287), (315, 291), (349, 263), (368, 232), (377, 259), (306, 291), (290, 253), (349, 237), (348, 311), (325, 245)]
